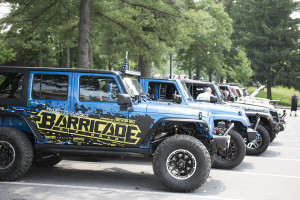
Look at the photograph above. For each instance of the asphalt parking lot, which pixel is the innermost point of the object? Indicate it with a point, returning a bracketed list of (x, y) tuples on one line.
[(273, 175)]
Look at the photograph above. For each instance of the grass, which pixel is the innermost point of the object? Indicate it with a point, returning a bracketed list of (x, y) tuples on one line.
[(277, 94)]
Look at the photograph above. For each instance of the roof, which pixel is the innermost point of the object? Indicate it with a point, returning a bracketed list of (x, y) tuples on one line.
[(19, 69)]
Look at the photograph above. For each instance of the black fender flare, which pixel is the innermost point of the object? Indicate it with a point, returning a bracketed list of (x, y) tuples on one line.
[(184, 120), (28, 122)]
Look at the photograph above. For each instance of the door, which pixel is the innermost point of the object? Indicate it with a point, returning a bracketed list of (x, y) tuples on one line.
[(49, 104), (96, 118)]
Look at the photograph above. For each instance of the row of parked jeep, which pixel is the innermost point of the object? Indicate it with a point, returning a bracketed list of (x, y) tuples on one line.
[(187, 126)]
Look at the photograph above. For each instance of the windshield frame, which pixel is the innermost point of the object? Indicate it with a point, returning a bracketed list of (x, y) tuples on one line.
[(185, 91), (133, 87), (219, 93)]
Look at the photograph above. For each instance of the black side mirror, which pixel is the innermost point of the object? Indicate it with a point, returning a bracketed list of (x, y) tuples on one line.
[(213, 99), (231, 99), (177, 98), (124, 99)]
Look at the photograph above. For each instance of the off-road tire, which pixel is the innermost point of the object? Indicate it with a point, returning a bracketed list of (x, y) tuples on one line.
[(16, 154), (50, 160), (232, 156), (252, 149), (170, 152)]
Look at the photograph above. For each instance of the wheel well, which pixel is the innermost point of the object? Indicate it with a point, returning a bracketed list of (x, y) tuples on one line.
[(169, 128), (28, 134), (265, 123), (238, 126)]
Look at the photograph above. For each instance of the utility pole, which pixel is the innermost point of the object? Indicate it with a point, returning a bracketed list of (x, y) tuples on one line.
[(170, 65)]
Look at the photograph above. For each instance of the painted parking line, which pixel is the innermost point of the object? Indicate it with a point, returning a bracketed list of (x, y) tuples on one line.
[(101, 189), (286, 140), (256, 174), (289, 148), (277, 159)]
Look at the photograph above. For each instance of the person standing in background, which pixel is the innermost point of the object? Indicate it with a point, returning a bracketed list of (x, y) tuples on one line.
[(294, 100)]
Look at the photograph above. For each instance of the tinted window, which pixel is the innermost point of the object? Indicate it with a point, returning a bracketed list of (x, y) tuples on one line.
[(11, 85), (97, 89), (50, 86)]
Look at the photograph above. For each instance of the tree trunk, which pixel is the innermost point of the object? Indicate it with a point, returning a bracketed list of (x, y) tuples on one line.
[(109, 66), (217, 79), (40, 57), (68, 60), (90, 58), (269, 92), (197, 74), (210, 76), (84, 34), (221, 79), (146, 67), (190, 74)]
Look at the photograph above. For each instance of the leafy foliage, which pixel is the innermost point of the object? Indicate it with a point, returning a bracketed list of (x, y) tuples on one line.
[(270, 37)]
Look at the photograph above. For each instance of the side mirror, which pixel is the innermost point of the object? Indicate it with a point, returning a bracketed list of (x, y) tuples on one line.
[(124, 99), (177, 98), (231, 99), (213, 99)]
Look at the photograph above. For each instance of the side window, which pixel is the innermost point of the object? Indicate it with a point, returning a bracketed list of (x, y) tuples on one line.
[(165, 91), (97, 89), (152, 90), (50, 86), (11, 85)]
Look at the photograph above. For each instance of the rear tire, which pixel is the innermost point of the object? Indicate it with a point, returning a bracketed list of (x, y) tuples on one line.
[(260, 144), (232, 156), (181, 163), (16, 154)]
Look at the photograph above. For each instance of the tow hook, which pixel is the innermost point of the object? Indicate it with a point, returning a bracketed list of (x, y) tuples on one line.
[(230, 127)]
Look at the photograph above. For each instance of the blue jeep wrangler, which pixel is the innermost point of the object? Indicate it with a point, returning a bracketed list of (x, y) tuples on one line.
[(174, 90), (47, 113), (266, 120)]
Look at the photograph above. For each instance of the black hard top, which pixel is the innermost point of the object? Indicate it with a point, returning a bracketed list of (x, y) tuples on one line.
[(197, 81), (154, 78), (53, 69)]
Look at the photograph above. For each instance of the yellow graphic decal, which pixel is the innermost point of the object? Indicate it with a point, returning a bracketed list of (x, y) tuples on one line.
[(113, 131)]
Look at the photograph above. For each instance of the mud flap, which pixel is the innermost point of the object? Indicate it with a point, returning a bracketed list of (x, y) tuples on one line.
[(220, 141), (251, 134)]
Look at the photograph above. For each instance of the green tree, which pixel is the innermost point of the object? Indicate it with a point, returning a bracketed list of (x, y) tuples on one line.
[(208, 39), (270, 37), (6, 54), (239, 66)]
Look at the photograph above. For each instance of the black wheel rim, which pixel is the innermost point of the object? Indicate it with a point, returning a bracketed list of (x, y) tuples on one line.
[(255, 144), (227, 154), (7, 155), (181, 164)]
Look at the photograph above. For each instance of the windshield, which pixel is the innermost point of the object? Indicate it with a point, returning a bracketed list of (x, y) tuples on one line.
[(219, 93), (185, 90), (133, 87)]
